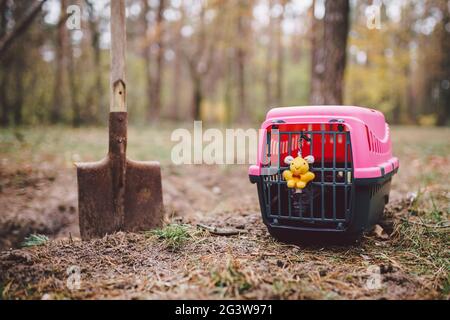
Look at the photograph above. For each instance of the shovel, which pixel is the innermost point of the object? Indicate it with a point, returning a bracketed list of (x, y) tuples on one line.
[(118, 194)]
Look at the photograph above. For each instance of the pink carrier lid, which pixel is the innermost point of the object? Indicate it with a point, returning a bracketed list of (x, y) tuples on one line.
[(370, 136)]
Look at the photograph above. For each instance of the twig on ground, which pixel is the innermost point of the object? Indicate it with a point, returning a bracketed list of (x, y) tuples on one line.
[(221, 231)]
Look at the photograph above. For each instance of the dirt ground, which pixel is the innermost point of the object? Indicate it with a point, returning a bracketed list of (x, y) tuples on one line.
[(408, 253)]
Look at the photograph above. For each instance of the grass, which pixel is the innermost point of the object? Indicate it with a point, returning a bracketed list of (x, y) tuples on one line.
[(173, 235), (421, 232), (62, 146), (230, 279), (4, 290), (446, 286), (34, 240)]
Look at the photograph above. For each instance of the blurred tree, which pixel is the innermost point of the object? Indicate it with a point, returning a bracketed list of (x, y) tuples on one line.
[(4, 117), (147, 53), (22, 23), (18, 49), (97, 92), (154, 43), (233, 58), (199, 51), (157, 88), (268, 76), (280, 54), (329, 44), (63, 51), (379, 65), (440, 80), (244, 12), (177, 70), (77, 94)]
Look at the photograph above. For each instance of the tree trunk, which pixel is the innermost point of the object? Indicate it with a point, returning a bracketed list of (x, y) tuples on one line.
[(242, 36), (269, 61), (396, 112), (177, 68), (96, 92), (280, 60), (18, 103), (317, 60), (61, 66), (147, 59), (149, 84), (268, 76), (197, 98), (228, 89), (444, 99), (155, 101), (411, 100), (4, 118), (76, 109), (98, 77), (176, 85), (329, 44), (242, 103)]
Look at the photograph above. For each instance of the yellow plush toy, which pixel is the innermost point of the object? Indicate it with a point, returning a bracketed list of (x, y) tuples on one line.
[(298, 174)]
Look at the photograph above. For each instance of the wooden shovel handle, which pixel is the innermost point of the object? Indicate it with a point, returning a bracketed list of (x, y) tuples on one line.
[(118, 108), (118, 57)]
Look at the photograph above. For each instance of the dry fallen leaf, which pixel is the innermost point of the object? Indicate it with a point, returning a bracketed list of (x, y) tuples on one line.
[(411, 197), (380, 233), (365, 257)]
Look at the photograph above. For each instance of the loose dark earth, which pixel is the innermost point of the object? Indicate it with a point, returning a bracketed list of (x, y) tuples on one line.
[(408, 252)]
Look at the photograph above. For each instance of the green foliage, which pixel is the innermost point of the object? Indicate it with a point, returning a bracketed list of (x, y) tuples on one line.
[(174, 235), (34, 240), (231, 278), (380, 81), (435, 213), (446, 286)]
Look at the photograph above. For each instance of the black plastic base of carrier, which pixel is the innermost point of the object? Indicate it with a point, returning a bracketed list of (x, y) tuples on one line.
[(313, 237), (369, 197)]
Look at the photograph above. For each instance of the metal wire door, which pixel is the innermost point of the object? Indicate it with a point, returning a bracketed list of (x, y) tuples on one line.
[(326, 201)]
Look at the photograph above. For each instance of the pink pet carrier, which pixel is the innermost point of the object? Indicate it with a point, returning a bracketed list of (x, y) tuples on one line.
[(351, 164)]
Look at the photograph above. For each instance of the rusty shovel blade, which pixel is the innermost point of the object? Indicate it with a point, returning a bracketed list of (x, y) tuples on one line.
[(143, 203), (143, 196), (117, 193)]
